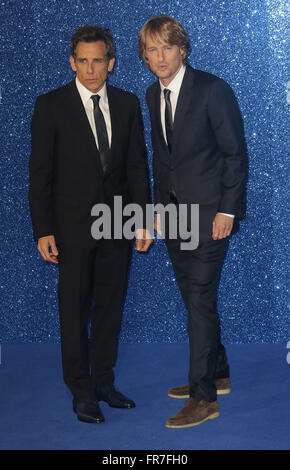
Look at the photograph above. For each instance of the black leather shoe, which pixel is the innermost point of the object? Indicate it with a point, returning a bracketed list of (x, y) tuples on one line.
[(88, 411), (113, 397)]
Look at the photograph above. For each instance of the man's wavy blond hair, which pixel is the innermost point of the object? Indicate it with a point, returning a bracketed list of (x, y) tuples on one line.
[(166, 28)]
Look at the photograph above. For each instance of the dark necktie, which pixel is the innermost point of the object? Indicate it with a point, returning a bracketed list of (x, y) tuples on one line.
[(168, 119), (101, 129)]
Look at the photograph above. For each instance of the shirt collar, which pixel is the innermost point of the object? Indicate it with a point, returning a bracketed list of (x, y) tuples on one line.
[(175, 84), (86, 94)]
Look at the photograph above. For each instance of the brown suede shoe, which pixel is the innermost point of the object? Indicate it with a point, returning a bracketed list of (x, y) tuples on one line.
[(223, 386), (194, 412)]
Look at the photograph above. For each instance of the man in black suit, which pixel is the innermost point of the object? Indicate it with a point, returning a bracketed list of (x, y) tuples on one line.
[(87, 147), (199, 158)]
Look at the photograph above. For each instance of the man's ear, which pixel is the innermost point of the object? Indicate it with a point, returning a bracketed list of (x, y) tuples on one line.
[(111, 64), (183, 53), (72, 63)]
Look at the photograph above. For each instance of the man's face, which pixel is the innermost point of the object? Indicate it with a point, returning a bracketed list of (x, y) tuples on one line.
[(91, 64), (165, 60)]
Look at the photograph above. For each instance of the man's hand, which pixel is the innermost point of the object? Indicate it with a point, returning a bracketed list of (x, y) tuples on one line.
[(222, 226), (143, 239), (47, 248)]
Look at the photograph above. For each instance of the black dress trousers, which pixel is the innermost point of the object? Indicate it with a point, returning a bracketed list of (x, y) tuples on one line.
[(92, 281)]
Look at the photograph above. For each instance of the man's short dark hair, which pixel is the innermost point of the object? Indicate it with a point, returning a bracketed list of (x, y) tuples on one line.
[(90, 33)]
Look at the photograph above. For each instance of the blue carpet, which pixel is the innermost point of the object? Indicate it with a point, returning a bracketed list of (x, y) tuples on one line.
[(36, 408)]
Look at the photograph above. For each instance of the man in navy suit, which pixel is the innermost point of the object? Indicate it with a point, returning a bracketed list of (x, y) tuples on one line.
[(199, 157), (87, 148)]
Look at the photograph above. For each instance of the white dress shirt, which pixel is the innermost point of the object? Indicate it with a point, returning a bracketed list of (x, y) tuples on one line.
[(174, 87), (85, 95)]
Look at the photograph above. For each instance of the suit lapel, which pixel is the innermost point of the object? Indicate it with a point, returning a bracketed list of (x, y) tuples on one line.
[(183, 104), (84, 128), (116, 125)]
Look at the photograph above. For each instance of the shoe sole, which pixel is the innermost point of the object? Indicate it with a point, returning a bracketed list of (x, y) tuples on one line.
[(213, 416), (119, 407), (87, 419), (224, 391), (122, 407)]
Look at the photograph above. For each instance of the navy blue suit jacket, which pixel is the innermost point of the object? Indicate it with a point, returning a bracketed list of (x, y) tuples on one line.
[(207, 165)]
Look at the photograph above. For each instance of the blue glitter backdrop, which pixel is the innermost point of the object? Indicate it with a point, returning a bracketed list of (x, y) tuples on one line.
[(243, 42)]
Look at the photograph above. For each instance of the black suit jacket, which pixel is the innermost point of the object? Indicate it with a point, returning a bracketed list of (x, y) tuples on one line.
[(66, 176), (207, 165)]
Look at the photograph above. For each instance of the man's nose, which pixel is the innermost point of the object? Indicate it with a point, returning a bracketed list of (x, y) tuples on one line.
[(160, 55), (90, 68)]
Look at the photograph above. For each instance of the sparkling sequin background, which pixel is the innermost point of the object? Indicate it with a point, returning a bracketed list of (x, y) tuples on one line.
[(243, 42)]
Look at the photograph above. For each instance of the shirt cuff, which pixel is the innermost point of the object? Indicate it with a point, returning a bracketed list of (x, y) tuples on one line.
[(229, 215)]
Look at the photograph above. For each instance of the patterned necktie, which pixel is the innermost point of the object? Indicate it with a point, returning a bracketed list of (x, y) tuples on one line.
[(168, 118), (101, 129)]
